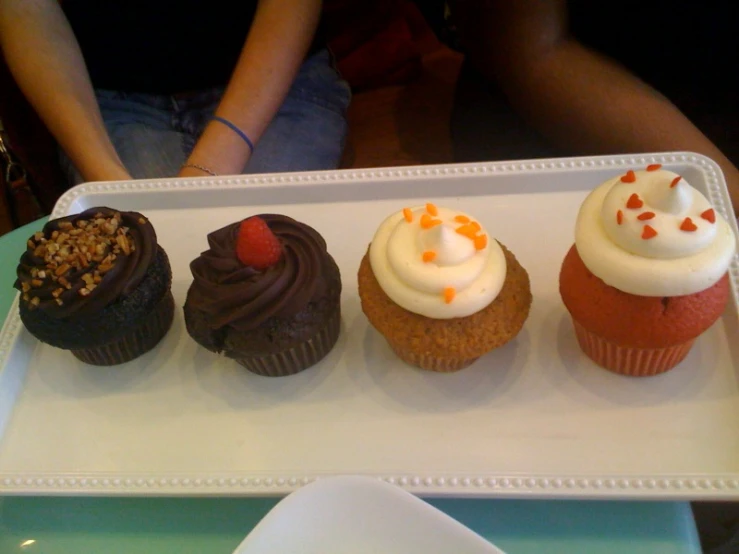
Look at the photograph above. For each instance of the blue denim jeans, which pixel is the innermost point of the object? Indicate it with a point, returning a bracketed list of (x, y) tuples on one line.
[(154, 134)]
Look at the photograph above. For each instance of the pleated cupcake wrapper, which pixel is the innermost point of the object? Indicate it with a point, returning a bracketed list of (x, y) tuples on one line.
[(299, 357), (431, 363), (636, 362), (137, 341)]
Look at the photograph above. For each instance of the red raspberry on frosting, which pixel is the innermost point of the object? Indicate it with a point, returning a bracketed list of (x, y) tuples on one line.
[(256, 245)]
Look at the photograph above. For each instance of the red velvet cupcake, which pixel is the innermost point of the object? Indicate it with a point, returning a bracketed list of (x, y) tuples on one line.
[(648, 272)]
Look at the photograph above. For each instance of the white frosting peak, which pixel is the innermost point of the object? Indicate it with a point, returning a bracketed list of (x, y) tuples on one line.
[(450, 247), (666, 191), (650, 233), (437, 262)]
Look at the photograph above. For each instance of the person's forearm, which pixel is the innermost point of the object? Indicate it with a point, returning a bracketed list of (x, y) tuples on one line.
[(45, 60), (588, 103), (580, 100), (278, 41)]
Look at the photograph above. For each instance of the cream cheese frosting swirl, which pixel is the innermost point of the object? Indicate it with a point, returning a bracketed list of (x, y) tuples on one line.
[(437, 262), (650, 233)]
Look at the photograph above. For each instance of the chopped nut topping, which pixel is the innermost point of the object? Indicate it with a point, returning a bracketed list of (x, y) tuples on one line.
[(123, 243), (62, 269), (88, 248)]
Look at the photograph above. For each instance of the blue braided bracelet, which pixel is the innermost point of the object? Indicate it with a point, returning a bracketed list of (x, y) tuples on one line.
[(236, 130)]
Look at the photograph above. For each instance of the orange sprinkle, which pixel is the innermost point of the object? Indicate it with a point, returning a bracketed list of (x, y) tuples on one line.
[(644, 216), (675, 181), (427, 222), (630, 176), (654, 167), (648, 232), (619, 217), (408, 214), (476, 226), (431, 209), (462, 219), (709, 215), (634, 202), (429, 256), (688, 225), (449, 294), (481, 241), (467, 230)]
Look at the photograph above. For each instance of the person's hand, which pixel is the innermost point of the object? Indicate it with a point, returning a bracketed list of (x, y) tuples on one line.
[(195, 170), (218, 151)]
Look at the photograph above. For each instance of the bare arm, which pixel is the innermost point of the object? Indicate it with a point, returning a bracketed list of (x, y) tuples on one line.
[(580, 99), (44, 58), (279, 38)]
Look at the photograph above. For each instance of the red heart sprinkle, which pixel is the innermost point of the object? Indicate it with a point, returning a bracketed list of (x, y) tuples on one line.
[(709, 215), (634, 202), (619, 217), (653, 167), (644, 216), (630, 176), (648, 232), (675, 181), (688, 225)]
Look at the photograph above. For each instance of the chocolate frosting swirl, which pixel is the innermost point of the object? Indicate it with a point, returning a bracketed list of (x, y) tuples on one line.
[(126, 272), (239, 296)]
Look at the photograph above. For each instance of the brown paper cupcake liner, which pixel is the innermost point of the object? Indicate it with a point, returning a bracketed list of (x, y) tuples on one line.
[(431, 363), (636, 362), (299, 357), (137, 341)]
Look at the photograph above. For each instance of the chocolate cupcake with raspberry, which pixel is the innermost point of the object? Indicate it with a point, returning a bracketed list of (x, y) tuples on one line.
[(266, 294), (97, 284)]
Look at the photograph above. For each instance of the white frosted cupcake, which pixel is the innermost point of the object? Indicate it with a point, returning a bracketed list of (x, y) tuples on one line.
[(439, 290), (648, 271)]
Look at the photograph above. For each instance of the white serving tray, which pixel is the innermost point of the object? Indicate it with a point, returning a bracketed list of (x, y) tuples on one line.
[(534, 418), (359, 515)]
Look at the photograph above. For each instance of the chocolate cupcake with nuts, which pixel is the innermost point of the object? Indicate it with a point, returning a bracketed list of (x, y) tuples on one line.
[(97, 284)]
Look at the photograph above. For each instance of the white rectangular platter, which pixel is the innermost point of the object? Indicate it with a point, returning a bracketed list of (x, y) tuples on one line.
[(534, 418)]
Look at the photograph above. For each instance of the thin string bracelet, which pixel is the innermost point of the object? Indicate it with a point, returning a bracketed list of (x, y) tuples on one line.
[(236, 130), (202, 168)]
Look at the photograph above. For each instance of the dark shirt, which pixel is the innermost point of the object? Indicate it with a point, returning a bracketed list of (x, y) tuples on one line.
[(160, 46), (687, 50)]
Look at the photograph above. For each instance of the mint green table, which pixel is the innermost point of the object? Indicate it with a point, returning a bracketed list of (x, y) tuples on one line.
[(81, 525)]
